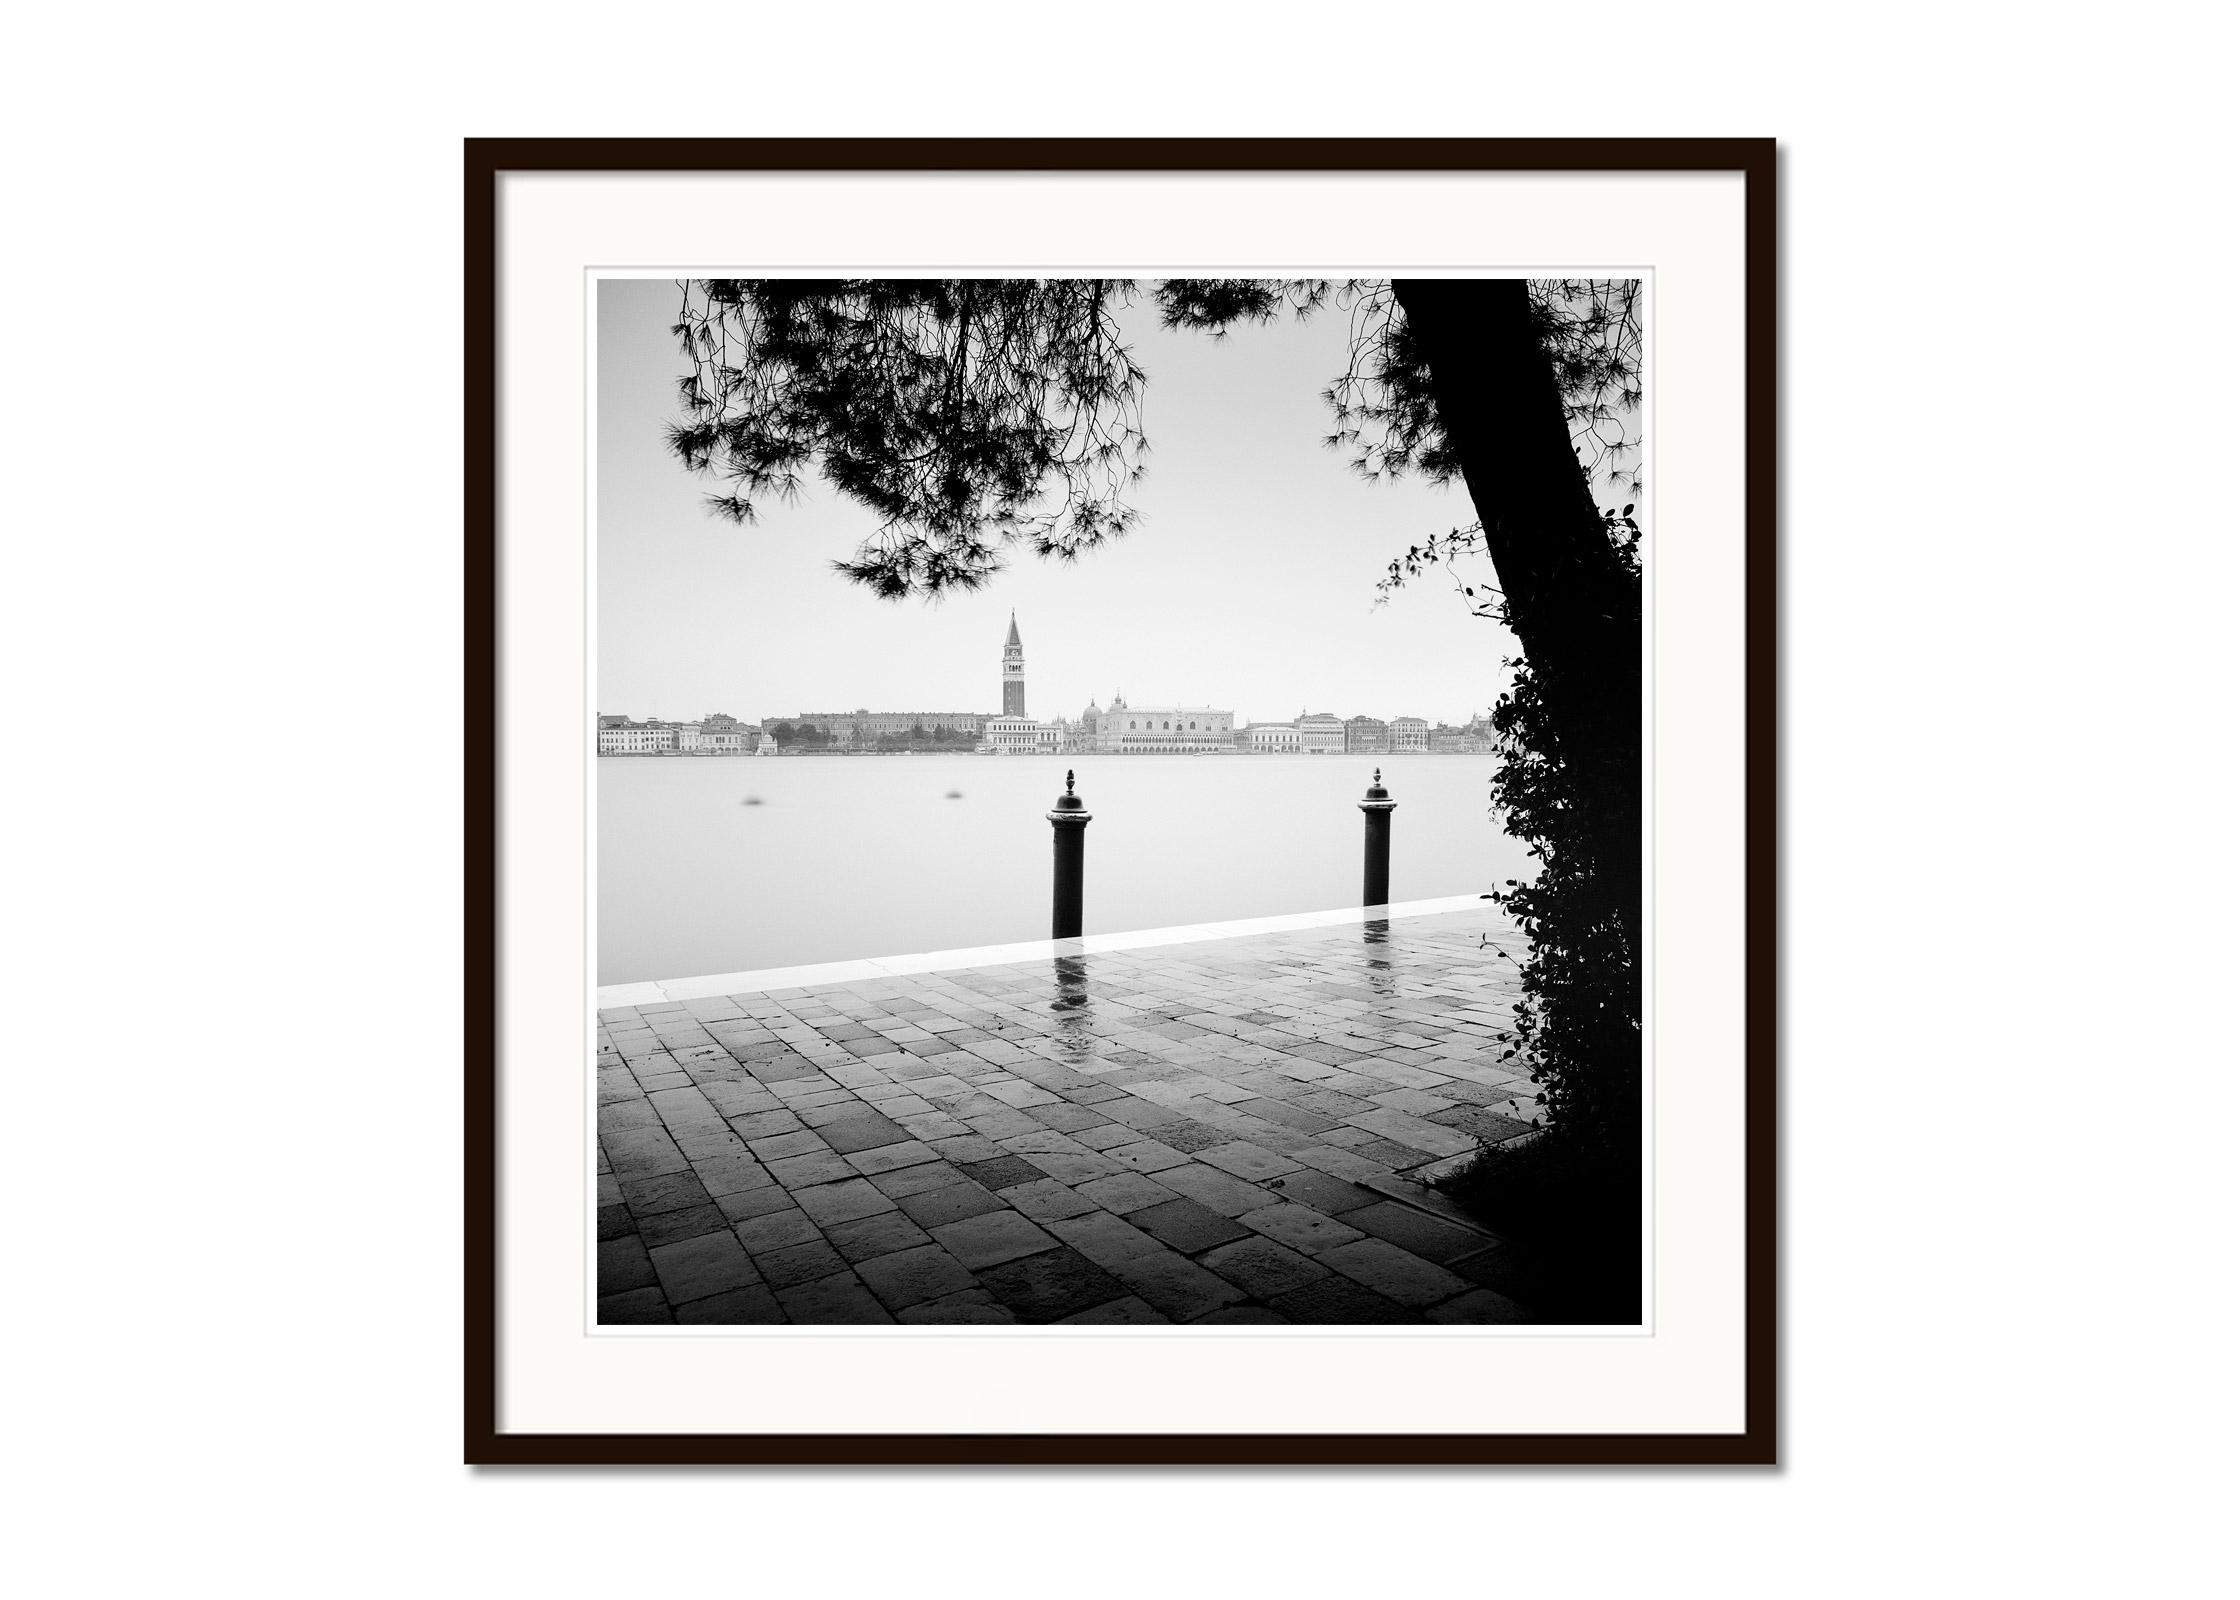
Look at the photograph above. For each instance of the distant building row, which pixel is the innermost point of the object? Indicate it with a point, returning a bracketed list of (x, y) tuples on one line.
[(718, 735), (1120, 729)]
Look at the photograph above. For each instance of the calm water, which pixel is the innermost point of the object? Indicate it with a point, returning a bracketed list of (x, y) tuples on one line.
[(865, 856)]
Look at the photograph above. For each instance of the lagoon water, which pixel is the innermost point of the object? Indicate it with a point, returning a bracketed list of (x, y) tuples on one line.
[(847, 857)]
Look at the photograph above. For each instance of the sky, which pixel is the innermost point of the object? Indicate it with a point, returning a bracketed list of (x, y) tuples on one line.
[(1248, 584)]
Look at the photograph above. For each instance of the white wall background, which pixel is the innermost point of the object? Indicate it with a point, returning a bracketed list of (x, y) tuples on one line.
[(233, 434)]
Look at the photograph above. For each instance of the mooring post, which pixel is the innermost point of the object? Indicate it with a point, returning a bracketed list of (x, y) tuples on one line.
[(1376, 842), (1069, 826)]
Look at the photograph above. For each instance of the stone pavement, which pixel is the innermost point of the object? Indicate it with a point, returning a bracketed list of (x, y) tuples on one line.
[(1215, 1132)]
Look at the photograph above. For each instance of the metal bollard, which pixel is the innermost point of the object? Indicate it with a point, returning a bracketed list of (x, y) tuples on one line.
[(1376, 843), (1069, 826)]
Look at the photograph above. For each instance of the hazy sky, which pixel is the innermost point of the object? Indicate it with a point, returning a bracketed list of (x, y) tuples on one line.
[(1248, 584)]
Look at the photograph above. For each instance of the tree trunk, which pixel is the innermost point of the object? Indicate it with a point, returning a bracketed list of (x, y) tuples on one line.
[(1572, 602)]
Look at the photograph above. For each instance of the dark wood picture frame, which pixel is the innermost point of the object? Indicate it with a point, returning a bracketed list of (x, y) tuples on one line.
[(488, 161)]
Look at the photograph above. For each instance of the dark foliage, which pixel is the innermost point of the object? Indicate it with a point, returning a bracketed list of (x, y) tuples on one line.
[(1577, 804), (973, 414)]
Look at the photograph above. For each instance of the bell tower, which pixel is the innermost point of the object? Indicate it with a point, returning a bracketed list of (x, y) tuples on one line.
[(1014, 672)]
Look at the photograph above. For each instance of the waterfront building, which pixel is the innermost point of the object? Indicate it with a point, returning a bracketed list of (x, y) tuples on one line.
[(1321, 734), (1367, 736), (1081, 737), (1274, 738), (637, 739), (1014, 672), (704, 741), (1023, 736), (869, 727), (1410, 733), (1163, 730)]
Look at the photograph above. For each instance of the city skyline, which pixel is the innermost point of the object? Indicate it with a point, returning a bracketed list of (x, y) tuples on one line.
[(1249, 581)]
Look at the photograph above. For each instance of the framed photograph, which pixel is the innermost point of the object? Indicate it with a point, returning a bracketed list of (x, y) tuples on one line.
[(1122, 801)]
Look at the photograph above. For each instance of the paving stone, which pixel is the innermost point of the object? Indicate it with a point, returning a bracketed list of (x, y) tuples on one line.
[(1126, 1191), (1246, 1160), (865, 1131), (735, 1306), (693, 1269), (765, 1125), (1068, 1168), (1018, 1094), (1192, 1138), (1105, 1135), (916, 1179), (1001, 1173), (1479, 1306), (1051, 1285), (1105, 1238), (936, 1207), (1413, 1132), (1216, 1190), (1416, 1233), (878, 1235), (1297, 1226), (1147, 1155), (839, 1299), (617, 1115), (892, 1157), (776, 1230), (624, 1264), (911, 1277), (642, 1152), (1341, 1303), (1126, 1310), (1262, 1268), (842, 1202), (615, 1223), (634, 1306), (779, 1147), (806, 1172), (668, 1227), (754, 1202), (970, 1306), (1393, 1272), (1068, 1118), (967, 1147), (798, 1264), (1187, 1225), (1297, 1118), (995, 1236), (1332, 1196), (1177, 1287), (729, 1174), (1046, 1199)]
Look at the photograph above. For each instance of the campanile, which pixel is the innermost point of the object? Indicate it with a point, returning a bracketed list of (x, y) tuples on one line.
[(1014, 673)]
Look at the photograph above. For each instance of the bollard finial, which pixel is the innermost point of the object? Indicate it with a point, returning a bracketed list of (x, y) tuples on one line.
[(1069, 780), (1376, 774)]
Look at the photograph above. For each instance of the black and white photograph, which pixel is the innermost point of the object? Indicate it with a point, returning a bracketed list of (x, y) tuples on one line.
[(1119, 801)]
